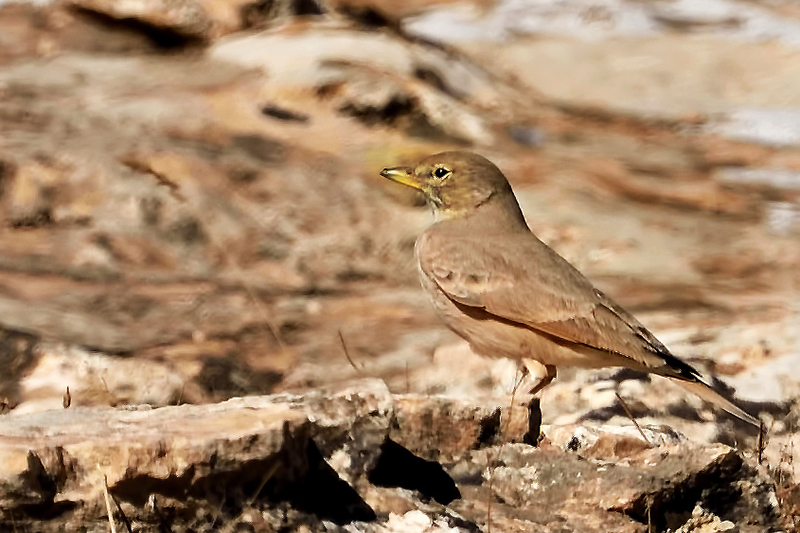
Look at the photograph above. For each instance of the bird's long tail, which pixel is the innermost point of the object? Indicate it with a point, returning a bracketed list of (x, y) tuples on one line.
[(705, 392)]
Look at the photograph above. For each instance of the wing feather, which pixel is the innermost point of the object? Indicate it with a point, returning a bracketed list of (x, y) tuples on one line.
[(520, 279)]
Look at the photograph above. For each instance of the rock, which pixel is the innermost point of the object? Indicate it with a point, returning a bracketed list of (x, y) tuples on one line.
[(704, 522), (774, 381), (58, 459), (338, 455), (612, 442), (444, 429), (178, 23), (546, 486), (184, 18), (96, 379), (377, 78), (421, 110), (174, 23)]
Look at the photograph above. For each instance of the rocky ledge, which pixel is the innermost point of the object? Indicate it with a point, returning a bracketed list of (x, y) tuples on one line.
[(361, 459)]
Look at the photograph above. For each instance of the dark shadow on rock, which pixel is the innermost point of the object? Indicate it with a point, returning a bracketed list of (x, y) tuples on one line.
[(281, 113), (297, 475), (368, 17), (224, 377), (534, 433), (401, 110), (435, 80), (160, 38), (262, 13), (683, 409), (390, 112), (604, 414), (398, 467), (43, 487), (624, 374), (323, 493), (490, 429), (137, 489), (16, 357), (47, 510)]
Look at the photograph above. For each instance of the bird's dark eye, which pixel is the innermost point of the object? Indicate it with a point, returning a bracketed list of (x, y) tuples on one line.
[(441, 173)]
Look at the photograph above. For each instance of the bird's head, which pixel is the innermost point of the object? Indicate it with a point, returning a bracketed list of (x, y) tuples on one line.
[(454, 183)]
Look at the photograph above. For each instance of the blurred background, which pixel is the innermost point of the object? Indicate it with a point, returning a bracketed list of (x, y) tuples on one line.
[(191, 206)]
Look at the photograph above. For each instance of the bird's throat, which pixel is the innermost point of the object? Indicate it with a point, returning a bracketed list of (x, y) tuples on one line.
[(496, 210)]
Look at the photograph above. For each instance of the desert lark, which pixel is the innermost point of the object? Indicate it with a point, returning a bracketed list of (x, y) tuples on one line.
[(508, 294)]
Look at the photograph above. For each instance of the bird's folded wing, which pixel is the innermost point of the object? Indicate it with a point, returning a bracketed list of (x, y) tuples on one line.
[(529, 284)]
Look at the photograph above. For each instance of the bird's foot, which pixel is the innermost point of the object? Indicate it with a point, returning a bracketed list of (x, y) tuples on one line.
[(546, 374), (549, 376)]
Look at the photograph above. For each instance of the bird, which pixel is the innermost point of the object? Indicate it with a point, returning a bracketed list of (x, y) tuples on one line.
[(508, 294)]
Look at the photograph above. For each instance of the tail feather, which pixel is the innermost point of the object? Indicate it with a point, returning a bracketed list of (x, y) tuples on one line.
[(705, 392)]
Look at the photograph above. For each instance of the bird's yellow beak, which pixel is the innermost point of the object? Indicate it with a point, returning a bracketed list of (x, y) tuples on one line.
[(404, 175)]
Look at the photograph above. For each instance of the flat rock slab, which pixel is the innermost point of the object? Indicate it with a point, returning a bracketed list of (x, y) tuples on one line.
[(64, 456)]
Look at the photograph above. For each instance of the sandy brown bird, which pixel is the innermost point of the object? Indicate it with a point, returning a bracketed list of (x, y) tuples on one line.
[(510, 295)]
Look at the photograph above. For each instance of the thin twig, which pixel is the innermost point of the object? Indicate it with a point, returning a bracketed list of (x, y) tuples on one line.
[(121, 513), (761, 445), (635, 423), (523, 374), (107, 497), (490, 460), (262, 308), (219, 510), (267, 476), (347, 352)]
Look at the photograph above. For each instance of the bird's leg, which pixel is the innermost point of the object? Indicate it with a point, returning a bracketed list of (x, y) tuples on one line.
[(523, 374), (545, 374)]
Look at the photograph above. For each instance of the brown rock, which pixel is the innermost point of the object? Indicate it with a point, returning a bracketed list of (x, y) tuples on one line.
[(656, 488), (704, 522), (59, 458), (443, 429), (186, 18), (612, 443), (335, 455)]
